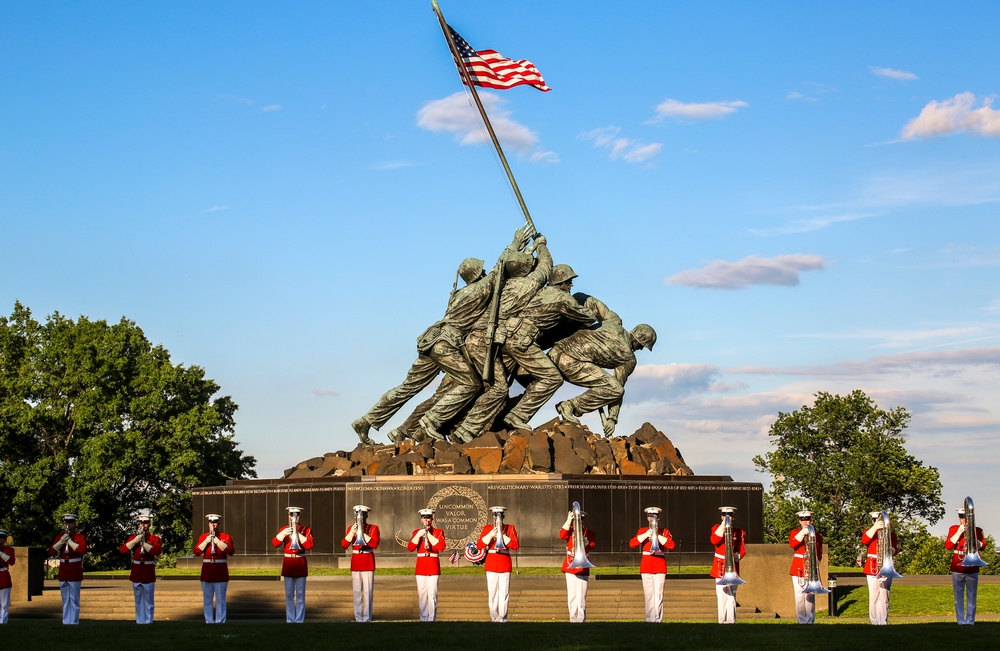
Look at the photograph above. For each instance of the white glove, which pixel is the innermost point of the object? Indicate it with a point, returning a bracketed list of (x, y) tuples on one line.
[(643, 536), (569, 521), (204, 544), (133, 542), (5, 557), (148, 547), (221, 545), (801, 535), (490, 536), (352, 533), (720, 530), (284, 533), (417, 536)]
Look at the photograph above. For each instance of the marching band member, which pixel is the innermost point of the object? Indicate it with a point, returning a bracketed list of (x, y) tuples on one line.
[(144, 548), (653, 566), (428, 542), (362, 562), (70, 546), (295, 567), (964, 580), (498, 564), (6, 560), (726, 594), (805, 604), (576, 578), (878, 586), (215, 547)]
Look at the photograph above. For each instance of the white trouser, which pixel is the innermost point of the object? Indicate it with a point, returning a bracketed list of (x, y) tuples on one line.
[(4, 605), (427, 596), (215, 590), (498, 585), (295, 599), (145, 594), (725, 595), (965, 585), (70, 592), (576, 596), (652, 592), (805, 604), (878, 599), (363, 582)]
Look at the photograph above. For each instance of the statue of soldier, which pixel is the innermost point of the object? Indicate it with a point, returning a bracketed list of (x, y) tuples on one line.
[(583, 356), (440, 348)]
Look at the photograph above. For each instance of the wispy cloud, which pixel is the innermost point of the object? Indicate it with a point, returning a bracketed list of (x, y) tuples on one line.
[(391, 165), (326, 393), (216, 208), (809, 224), (626, 149), (455, 115), (954, 115), (782, 270), (271, 108), (892, 73), (672, 108)]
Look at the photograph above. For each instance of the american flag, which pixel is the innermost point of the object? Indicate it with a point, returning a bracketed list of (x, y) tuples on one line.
[(490, 69)]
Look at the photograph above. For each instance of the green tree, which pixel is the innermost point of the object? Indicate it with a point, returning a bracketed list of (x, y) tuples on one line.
[(96, 420), (842, 458)]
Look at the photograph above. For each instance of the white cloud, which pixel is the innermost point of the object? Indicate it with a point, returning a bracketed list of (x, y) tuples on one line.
[(954, 115), (391, 165), (627, 149), (799, 96), (216, 208), (807, 225), (891, 73), (271, 108), (781, 270), (671, 108), (456, 115), (326, 393)]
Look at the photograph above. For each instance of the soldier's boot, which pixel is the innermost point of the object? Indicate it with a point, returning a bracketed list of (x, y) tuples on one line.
[(567, 412), (397, 435), (516, 421), (361, 426), (430, 429)]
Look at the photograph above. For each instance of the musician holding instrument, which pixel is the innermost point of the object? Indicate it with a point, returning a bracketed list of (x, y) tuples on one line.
[(295, 540), (965, 572), (576, 566), (730, 546), (879, 581), (70, 546), (6, 560), (143, 547), (428, 542), (499, 540), (653, 541), (215, 547), (808, 552), (363, 538)]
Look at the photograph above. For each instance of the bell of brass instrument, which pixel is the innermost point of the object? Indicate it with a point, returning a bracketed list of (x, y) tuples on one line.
[(972, 558), (886, 565), (810, 564), (359, 521), (729, 576), (654, 528), (498, 527), (293, 525), (580, 560)]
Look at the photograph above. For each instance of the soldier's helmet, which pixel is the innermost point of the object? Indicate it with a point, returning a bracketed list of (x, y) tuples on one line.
[(471, 269), (519, 264), (561, 273), (645, 335)]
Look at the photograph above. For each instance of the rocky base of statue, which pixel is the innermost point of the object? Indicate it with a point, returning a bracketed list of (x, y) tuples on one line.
[(555, 447)]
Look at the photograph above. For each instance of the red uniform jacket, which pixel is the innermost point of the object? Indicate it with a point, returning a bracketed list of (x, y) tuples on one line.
[(428, 562), (567, 535), (215, 566), (143, 562), (871, 561), (959, 547), (498, 561), (295, 563), (800, 550), (363, 556), (739, 550), (5, 581), (70, 562), (652, 563)]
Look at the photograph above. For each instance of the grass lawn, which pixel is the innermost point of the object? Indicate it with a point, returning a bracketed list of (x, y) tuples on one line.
[(408, 571), (915, 601), (445, 636)]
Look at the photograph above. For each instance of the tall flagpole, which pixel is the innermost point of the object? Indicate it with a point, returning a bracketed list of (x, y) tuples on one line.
[(482, 111)]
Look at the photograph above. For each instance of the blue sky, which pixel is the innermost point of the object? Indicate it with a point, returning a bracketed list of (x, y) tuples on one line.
[(799, 197)]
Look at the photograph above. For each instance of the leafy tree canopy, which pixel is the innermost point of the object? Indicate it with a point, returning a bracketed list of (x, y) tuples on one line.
[(842, 458), (96, 420)]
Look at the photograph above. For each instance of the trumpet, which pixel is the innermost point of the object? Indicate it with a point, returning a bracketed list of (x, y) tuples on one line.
[(359, 522), (971, 558), (654, 530), (498, 527), (729, 575), (580, 560), (293, 525), (809, 581), (886, 565), (427, 539)]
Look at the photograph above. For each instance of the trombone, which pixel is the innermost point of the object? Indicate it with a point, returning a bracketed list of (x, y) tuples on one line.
[(971, 558), (580, 560)]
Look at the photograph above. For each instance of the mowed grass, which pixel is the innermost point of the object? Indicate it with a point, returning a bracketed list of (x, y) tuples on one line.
[(916, 601), (466, 570), (445, 636)]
